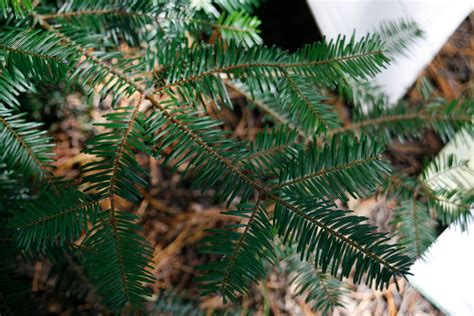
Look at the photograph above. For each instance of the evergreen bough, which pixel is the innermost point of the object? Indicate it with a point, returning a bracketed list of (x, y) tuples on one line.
[(180, 59)]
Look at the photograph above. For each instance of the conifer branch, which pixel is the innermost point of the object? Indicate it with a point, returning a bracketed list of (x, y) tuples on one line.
[(123, 12), (427, 192), (32, 54), (309, 105), (332, 232), (272, 150), (119, 226), (326, 171), (238, 247), (229, 164), (267, 192), (415, 226), (47, 218), (237, 25), (69, 42), (276, 66), (400, 117), (267, 110), (113, 179), (116, 238), (65, 15), (121, 148), (41, 165)]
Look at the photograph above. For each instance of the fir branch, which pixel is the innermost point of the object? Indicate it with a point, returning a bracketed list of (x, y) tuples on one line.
[(388, 263), (121, 148), (415, 226), (279, 118), (310, 203), (66, 41), (278, 66), (425, 191), (320, 290), (35, 53), (233, 26), (306, 104), (445, 117), (20, 51), (344, 165), (54, 217), (400, 118), (237, 249), (268, 193), (327, 171), (69, 14), (301, 214), (23, 146), (114, 264), (124, 12), (49, 220), (446, 172), (399, 35), (12, 83), (244, 252)]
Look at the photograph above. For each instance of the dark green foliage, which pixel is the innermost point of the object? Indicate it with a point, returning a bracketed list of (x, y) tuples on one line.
[(415, 227), (95, 71), (323, 62), (113, 263), (180, 60), (270, 152), (11, 85), (116, 171), (358, 59), (301, 97), (398, 36), (23, 146), (127, 20), (19, 7), (270, 103), (117, 20), (241, 27), (320, 290), (243, 253), (446, 118), (55, 218), (194, 139), (341, 243), (343, 166), (35, 53), (238, 5)]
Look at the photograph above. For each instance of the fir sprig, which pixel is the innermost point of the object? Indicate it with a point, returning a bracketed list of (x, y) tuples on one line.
[(153, 51)]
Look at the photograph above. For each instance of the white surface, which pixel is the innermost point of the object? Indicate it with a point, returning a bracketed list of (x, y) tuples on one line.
[(445, 277), (438, 19)]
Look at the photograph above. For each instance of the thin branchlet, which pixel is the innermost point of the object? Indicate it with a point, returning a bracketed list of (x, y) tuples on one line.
[(400, 117)]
